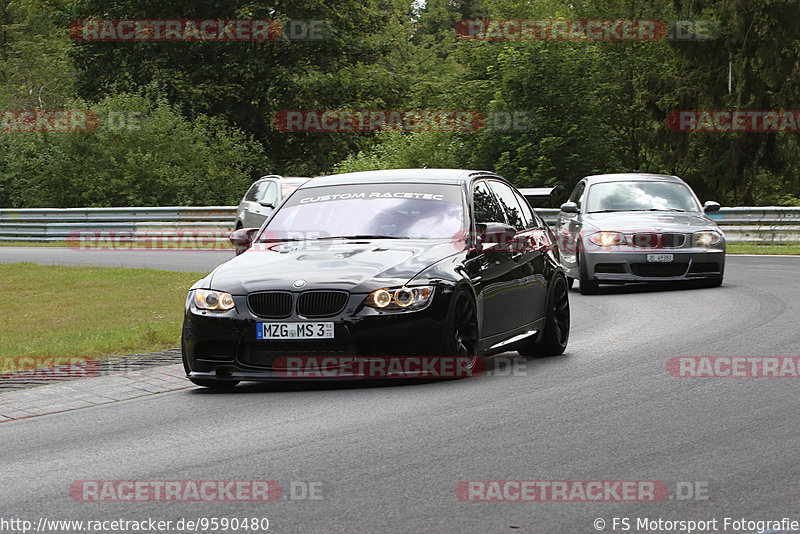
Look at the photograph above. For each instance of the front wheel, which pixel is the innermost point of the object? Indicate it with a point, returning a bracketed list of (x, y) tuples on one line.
[(587, 286), (556, 327), (461, 330), (711, 282)]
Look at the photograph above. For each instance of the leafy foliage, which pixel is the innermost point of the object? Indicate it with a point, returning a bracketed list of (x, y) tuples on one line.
[(207, 108)]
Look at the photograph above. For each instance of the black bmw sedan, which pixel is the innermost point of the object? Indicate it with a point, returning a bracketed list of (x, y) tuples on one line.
[(376, 266)]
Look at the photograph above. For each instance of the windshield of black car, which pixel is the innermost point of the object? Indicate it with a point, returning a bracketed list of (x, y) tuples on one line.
[(415, 211), (640, 196)]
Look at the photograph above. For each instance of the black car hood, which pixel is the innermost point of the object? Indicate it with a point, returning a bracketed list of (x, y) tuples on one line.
[(632, 221), (352, 265)]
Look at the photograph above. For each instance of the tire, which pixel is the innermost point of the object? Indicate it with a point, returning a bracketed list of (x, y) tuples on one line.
[(587, 286), (555, 337), (711, 282), (570, 282), (461, 330)]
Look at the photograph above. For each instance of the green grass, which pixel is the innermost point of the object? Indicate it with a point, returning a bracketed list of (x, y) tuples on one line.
[(748, 248), (90, 312), (33, 243)]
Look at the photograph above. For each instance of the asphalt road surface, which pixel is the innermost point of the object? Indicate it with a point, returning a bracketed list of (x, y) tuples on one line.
[(163, 259), (388, 458)]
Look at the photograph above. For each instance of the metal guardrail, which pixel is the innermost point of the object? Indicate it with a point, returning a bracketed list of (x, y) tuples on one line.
[(213, 223)]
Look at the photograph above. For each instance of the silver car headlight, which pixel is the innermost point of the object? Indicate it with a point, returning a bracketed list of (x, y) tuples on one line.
[(707, 238), (608, 239), (400, 298), (207, 299)]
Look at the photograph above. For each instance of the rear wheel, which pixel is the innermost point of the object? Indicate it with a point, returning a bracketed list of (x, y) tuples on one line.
[(556, 327)]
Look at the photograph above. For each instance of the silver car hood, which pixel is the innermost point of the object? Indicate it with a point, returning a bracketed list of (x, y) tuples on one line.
[(634, 221)]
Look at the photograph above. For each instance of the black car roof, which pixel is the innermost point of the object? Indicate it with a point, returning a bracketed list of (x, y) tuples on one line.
[(437, 176), (632, 176)]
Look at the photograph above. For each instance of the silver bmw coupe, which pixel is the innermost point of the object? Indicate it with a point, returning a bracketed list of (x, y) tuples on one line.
[(637, 227)]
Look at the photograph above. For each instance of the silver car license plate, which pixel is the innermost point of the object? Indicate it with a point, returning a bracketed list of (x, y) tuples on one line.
[(294, 330), (660, 258)]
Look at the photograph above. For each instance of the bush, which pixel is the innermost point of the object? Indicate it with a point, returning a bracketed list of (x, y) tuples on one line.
[(143, 153)]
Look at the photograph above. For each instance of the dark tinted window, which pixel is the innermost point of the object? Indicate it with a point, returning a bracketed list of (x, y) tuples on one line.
[(486, 207), (527, 213), (255, 192), (510, 205), (577, 194)]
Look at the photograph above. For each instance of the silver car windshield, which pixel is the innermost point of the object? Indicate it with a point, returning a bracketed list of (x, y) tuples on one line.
[(640, 196), (370, 211)]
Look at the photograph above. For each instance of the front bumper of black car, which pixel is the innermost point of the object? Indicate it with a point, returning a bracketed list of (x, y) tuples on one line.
[(225, 346)]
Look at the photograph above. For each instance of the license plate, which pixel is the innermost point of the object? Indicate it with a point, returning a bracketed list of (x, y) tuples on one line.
[(660, 258), (294, 330)]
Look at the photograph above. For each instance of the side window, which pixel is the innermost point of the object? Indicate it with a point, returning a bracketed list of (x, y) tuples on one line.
[(531, 221), (486, 207), (253, 193), (509, 203), (271, 194), (577, 194)]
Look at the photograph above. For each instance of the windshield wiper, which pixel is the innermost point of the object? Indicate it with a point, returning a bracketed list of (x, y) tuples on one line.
[(607, 211), (649, 209)]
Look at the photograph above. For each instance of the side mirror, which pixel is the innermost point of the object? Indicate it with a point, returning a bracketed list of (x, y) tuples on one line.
[(570, 207), (242, 239), (495, 237), (267, 203), (711, 206)]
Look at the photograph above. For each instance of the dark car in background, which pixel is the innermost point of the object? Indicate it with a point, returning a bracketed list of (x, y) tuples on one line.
[(638, 227), (380, 264), (263, 197)]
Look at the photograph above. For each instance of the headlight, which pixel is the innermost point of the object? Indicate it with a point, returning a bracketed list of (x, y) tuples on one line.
[(206, 299), (709, 238), (607, 239), (401, 298)]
